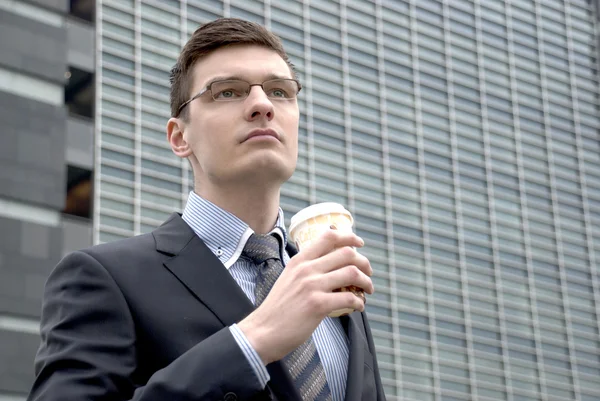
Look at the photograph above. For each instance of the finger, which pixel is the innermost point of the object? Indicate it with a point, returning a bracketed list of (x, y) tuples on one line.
[(328, 241), (342, 300), (342, 257), (346, 277)]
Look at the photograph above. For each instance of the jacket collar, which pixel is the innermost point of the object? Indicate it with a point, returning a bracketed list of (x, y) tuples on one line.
[(221, 231)]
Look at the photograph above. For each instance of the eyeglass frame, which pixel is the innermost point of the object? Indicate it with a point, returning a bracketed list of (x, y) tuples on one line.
[(208, 88)]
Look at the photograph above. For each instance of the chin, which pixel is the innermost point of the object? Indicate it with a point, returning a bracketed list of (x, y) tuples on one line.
[(265, 171)]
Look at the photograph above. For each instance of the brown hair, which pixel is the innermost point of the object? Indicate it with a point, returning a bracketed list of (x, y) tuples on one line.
[(212, 36)]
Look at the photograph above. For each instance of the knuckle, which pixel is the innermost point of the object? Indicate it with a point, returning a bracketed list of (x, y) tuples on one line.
[(369, 288), (301, 269), (355, 273), (354, 301), (348, 252), (330, 235), (363, 259), (312, 302), (365, 266), (317, 305), (310, 284)]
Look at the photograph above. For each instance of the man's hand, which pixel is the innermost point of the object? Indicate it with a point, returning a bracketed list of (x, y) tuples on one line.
[(303, 295)]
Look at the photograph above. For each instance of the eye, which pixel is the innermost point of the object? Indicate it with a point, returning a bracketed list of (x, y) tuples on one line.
[(229, 90), (278, 92), (281, 88), (228, 94)]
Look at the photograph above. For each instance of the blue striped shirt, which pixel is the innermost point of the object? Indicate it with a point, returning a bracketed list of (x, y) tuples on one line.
[(226, 235)]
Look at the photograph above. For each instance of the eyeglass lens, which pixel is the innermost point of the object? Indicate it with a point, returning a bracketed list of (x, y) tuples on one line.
[(235, 89)]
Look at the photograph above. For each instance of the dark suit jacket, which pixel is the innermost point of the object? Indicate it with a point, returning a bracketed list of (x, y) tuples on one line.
[(147, 319)]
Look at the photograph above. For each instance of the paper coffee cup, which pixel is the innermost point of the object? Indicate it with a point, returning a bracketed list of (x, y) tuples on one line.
[(309, 223)]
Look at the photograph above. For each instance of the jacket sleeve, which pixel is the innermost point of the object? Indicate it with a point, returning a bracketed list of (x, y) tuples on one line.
[(378, 384), (88, 349)]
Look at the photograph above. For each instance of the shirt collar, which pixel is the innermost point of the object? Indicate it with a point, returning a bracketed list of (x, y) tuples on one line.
[(222, 232)]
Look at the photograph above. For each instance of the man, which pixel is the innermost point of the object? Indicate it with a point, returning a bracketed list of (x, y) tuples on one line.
[(190, 311)]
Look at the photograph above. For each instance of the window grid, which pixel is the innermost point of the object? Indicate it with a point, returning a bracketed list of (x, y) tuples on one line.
[(584, 193), (471, 367), (417, 38), (523, 198), (490, 195), (138, 16), (556, 212), (388, 192)]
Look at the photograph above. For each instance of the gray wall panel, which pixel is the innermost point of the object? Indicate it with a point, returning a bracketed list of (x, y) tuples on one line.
[(32, 162), (80, 142), (61, 6), (36, 49), (28, 253), (17, 352), (32, 171), (77, 234), (81, 45)]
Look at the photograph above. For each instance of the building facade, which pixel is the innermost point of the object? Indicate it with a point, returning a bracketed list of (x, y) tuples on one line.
[(462, 135), (46, 160)]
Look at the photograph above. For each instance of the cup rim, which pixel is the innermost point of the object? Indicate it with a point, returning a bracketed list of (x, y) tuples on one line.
[(317, 210)]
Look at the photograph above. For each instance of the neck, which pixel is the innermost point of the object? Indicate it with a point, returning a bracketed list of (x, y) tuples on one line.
[(258, 207)]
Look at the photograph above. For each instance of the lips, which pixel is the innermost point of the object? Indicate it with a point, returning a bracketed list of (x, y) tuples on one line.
[(261, 133)]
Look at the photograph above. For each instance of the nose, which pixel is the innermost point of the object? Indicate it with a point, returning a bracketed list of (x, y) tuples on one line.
[(258, 105)]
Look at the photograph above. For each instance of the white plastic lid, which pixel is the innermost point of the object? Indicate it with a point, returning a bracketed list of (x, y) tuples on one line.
[(318, 209)]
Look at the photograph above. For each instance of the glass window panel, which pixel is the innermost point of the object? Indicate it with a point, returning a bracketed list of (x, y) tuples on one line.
[(449, 325), (154, 214), (117, 156), (161, 183), (521, 355), (169, 202), (458, 387), (158, 151), (415, 363), (117, 172), (414, 333), (414, 318), (116, 205), (449, 312), (446, 355), (481, 361)]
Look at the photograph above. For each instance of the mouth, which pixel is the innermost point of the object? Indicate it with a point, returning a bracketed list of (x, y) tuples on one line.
[(261, 133)]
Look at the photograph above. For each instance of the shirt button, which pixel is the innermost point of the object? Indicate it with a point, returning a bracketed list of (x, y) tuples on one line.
[(219, 252), (230, 397)]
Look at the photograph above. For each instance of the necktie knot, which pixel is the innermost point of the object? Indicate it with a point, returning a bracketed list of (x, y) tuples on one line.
[(261, 248)]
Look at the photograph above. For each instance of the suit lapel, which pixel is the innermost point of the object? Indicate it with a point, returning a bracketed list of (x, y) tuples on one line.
[(357, 343), (201, 272)]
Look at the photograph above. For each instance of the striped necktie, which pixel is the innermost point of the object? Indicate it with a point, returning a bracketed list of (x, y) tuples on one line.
[(303, 364)]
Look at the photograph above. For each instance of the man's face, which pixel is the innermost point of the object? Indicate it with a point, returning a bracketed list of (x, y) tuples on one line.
[(220, 134)]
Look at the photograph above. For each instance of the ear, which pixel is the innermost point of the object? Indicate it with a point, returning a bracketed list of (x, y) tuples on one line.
[(175, 130)]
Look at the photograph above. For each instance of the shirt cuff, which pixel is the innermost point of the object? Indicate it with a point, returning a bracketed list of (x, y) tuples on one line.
[(251, 355)]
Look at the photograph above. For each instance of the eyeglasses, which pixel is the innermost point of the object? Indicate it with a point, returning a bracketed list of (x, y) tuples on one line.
[(234, 89)]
